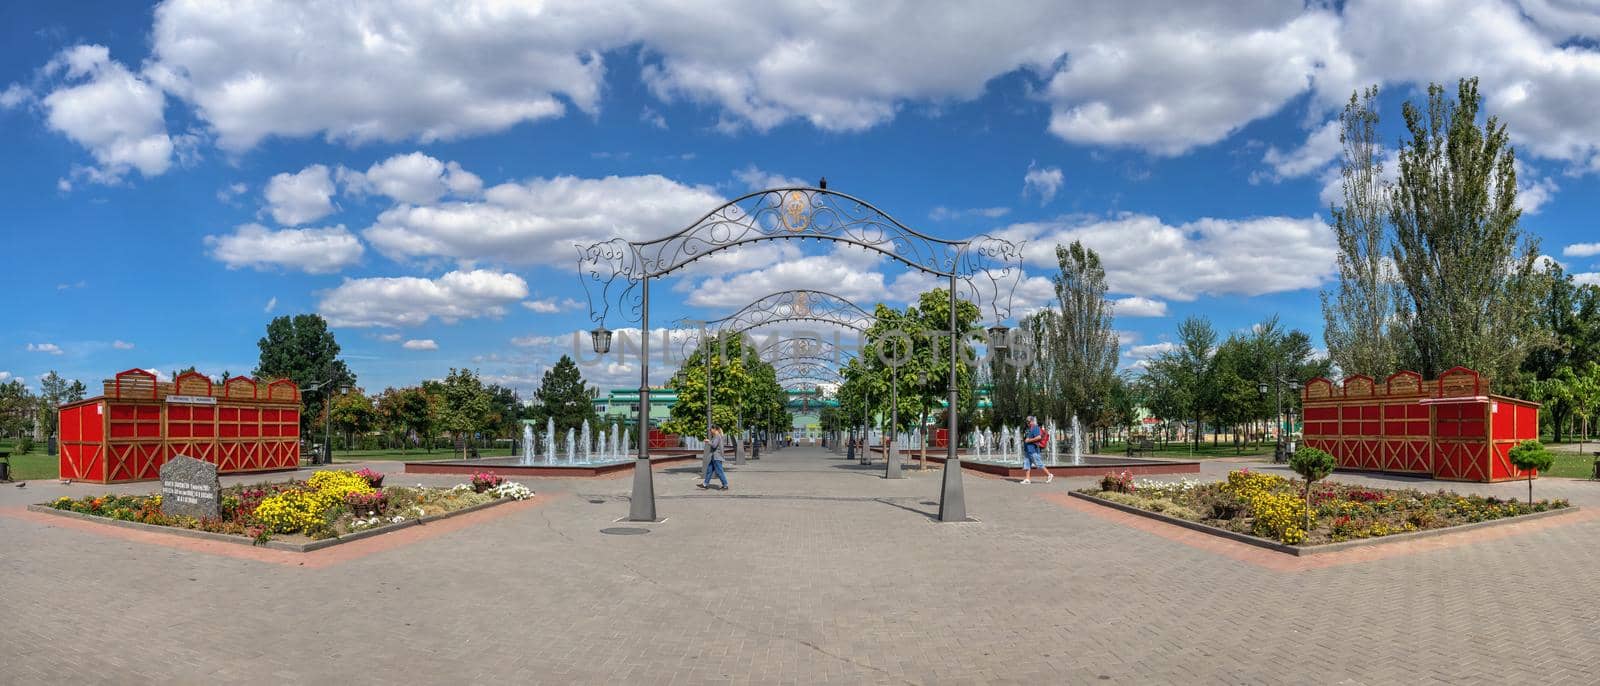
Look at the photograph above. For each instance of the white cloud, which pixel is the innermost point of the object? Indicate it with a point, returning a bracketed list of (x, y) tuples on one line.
[(121, 345), (412, 301), (370, 71), (528, 341), (1170, 87), (48, 348), (1581, 250), (272, 304), (1587, 278), (301, 197), (1144, 256), (1319, 149), (649, 116), (13, 96), (540, 220), (118, 116), (543, 306), (390, 337), (5, 376), (851, 273), (1541, 90), (1152, 350), (756, 179), (314, 251), (1533, 193), (1136, 306), (420, 344), (1042, 182), (229, 192), (413, 178), (942, 213)]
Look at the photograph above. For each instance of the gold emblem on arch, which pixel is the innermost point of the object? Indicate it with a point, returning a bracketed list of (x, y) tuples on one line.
[(796, 216), (802, 304)]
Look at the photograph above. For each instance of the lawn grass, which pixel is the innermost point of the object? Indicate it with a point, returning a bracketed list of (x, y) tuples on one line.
[(32, 466), (1572, 465), (1181, 450)]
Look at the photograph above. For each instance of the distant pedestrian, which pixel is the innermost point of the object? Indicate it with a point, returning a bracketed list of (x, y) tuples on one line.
[(850, 448), (1032, 449), (714, 465)]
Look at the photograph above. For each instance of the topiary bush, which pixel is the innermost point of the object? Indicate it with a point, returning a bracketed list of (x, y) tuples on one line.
[(1531, 457), (1313, 465)]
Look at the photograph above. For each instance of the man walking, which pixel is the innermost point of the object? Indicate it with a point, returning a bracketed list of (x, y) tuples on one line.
[(714, 465), (1032, 444)]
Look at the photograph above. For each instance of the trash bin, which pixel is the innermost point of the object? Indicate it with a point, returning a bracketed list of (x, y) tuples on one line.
[(50, 446)]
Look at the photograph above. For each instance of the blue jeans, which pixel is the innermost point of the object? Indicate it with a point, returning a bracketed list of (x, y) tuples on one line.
[(715, 467), (1031, 459)]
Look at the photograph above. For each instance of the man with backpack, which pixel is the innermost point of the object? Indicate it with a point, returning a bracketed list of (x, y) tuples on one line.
[(1033, 443)]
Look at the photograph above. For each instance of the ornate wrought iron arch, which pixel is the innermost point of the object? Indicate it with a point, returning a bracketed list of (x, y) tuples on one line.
[(987, 265)]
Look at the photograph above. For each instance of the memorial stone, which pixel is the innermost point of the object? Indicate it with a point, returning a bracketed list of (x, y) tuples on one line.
[(189, 488)]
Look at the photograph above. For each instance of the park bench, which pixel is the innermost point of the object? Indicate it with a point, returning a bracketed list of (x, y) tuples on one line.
[(1143, 445)]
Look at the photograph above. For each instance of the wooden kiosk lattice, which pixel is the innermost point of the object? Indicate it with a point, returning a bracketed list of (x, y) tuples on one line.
[(138, 424), (1451, 428)]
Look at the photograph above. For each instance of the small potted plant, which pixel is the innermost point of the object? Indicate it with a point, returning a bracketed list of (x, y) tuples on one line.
[(374, 479), (484, 481)]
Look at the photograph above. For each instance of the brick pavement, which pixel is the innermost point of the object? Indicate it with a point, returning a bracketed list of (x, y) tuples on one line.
[(810, 571)]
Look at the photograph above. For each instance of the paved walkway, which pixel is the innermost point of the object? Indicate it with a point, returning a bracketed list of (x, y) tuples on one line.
[(811, 570)]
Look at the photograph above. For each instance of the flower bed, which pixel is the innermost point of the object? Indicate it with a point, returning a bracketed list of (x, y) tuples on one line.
[(330, 504), (1273, 507)]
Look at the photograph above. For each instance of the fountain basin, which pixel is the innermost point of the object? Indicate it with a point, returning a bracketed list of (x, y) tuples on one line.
[(1093, 465), (514, 466)]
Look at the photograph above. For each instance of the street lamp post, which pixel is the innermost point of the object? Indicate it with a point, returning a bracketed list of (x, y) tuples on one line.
[(891, 465)]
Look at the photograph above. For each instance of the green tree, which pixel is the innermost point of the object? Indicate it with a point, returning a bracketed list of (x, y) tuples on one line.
[(1466, 266), (467, 406), (1530, 456), (407, 411), (18, 406), (740, 383), (1187, 371), (303, 350), (564, 397), (1358, 313), (54, 392), (354, 413), (1084, 345), (1313, 465)]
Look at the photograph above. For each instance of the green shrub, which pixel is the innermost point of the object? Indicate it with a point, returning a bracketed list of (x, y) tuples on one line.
[(1530, 456), (24, 445), (1313, 465)]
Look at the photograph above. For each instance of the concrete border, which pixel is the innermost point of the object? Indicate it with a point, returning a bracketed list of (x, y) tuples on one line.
[(270, 544), (612, 469), (1304, 551)]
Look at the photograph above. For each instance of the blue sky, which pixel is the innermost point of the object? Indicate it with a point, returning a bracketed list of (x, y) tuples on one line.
[(179, 174)]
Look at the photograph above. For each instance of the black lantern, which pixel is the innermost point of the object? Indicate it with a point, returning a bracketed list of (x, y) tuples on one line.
[(601, 337), (1261, 388), (997, 336)]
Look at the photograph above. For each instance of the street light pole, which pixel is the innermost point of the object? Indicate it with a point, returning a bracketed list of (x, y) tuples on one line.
[(952, 497), (642, 505), (891, 467)]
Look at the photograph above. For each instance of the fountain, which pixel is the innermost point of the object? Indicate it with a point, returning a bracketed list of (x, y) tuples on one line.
[(584, 451), (527, 444), (1055, 441), (1077, 442), (550, 440), (601, 446), (572, 447)]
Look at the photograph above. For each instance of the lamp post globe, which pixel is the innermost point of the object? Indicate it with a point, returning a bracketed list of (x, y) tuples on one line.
[(1261, 388), (601, 338)]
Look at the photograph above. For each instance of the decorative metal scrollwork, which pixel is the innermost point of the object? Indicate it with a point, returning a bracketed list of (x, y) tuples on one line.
[(796, 305), (611, 270)]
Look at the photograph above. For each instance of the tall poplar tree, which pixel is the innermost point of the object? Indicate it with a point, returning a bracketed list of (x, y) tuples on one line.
[(1358, 313), (1467, 267), (1084, 345)]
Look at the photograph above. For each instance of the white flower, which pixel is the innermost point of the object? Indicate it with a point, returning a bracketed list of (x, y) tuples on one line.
[(512, 490)]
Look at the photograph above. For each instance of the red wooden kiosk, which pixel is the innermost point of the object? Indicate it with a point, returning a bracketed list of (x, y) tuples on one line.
[(1451, 428), (138, 424)]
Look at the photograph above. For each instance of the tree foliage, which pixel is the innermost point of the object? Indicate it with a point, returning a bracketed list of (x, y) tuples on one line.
[(1358, 312), (303, 350), (563, 397), (467, 407), (1466, 265)]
